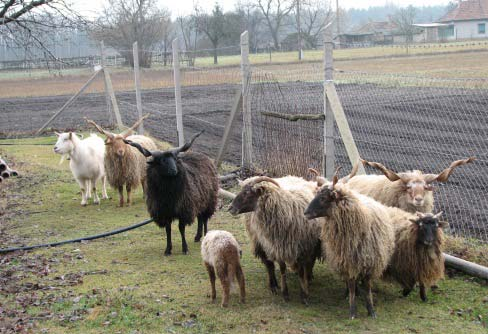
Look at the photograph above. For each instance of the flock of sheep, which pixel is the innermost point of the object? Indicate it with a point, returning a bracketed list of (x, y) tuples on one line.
[(366, 227)]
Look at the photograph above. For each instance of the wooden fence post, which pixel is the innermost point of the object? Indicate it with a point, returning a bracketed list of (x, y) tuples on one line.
[(176, 73), (110, 90), (246, 103), (329, 147), (137, 82), (236, 106), (107, 97)]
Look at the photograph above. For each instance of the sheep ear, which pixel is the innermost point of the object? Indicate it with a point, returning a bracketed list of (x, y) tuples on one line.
[(420, 214), (321, 181)]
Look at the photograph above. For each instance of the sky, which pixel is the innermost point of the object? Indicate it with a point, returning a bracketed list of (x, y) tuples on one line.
[(184, 7)]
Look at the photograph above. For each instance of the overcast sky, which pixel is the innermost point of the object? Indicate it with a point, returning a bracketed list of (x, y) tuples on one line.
[(184, 7)]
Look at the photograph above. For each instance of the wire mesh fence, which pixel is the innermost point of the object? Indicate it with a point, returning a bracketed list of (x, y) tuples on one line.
[(405, 122)]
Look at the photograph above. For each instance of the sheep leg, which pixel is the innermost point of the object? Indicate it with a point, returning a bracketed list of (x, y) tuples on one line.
[(270, 267), (224, 280), (184, 246), (128, 188), (169, 245), (104, 187), (406, 290), (304, 292), (82, 184), (198, 236), (121, 196), (284, 286), (423, 295), (211, 274), (369, 298), (242, 283), (88, 189), (309, 270), (351, 284)]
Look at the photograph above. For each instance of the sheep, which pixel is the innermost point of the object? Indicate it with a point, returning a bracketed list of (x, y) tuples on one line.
[(180, 186), (410, 191), (419, 243), (86, 162), (278, 230), (123, 164), (220, 254), (357, 236)]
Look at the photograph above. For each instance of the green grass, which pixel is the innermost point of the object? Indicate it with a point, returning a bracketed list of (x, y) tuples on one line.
[(128, 286)]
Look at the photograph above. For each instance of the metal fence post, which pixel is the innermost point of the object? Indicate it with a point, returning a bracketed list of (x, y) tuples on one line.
[(135, 53), (179, 112), (329, 148), (246, 103)]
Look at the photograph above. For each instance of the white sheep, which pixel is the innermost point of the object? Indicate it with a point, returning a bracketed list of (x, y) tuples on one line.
[(221, 254), (86, 162)]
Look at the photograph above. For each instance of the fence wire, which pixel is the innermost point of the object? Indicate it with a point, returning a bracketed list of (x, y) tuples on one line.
[(405, 122)]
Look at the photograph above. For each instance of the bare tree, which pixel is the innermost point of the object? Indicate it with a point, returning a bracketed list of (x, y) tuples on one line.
[(252, 20), (275, 12), (404, 18), (213, 26), (30, 25), (315, 15), (124, 22)]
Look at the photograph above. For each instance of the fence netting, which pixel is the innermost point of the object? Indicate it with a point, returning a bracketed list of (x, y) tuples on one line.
[(404, 122)]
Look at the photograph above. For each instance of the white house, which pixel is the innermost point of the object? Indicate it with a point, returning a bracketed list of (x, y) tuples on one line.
[(468, 20)]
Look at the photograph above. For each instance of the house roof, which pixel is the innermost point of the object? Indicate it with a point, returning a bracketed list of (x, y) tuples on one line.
[(375, 27), (467, 10)]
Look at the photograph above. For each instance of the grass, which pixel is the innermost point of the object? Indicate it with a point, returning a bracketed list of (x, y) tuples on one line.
[(124, 284)]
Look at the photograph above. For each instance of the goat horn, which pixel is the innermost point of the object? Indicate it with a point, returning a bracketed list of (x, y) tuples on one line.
[(127, 132), (99, 128), (444, 175), (314, 171), (391, 175), (437, 215), (264, 179), (187, 145), (141, 149)]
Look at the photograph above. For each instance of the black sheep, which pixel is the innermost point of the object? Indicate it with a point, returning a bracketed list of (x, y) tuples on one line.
[(180, 186)]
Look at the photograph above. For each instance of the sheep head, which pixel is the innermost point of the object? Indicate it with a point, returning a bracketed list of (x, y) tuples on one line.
[(428, 225), (115, 142), (247, 199), (64, 144), (164, 161), (326, 198), (416, 184)]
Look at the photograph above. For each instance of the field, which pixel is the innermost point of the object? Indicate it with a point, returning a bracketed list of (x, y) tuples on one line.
[(124, 284)]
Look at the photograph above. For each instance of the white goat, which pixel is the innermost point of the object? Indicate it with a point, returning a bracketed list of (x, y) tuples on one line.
[(86, 162)]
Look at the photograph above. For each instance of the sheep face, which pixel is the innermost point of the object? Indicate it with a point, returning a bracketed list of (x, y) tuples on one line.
[(64, 144), (117, 145), (416, 189), (165, 162), (246, 200), (323, 202), (428, 226)]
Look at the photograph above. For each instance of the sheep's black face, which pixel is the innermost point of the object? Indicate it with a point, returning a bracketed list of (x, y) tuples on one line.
[(165, 163), (321, 204), (427, 230), (245, 201)]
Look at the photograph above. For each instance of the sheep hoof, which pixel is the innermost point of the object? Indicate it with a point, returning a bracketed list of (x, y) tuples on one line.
[(185, 252), (225, 305), (372, 314), (197, 238), (274, 290), (83, 204), (167, 252), (96, 202), (406, 292), (243, 301)]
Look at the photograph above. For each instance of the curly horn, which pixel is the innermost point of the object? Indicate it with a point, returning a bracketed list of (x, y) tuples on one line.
[(99, 128), (264, 179), (391, 175), (444, 175)]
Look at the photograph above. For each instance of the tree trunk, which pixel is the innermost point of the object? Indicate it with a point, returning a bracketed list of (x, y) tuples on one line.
[(215, 54)]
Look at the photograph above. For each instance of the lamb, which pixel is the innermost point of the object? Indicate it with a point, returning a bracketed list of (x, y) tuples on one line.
[(278, 230), (418, 257), (220, 254), (357, 236), (123, 164), (86, 162), (180, 186), (410, 191)]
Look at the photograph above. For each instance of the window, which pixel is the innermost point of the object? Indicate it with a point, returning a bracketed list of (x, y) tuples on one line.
[(481, 28)]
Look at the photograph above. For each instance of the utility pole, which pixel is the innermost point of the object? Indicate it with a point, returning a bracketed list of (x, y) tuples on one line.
[(338, 22), (299, 32)]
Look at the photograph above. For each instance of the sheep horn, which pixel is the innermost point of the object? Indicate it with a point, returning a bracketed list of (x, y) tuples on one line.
[(99, 128), (187, 145), (335, 178), (141, 149), (314, 171), (318, 178), (444, 175), (391, 175), (128, 132), (438, 215), (354, 170), (264, 179)]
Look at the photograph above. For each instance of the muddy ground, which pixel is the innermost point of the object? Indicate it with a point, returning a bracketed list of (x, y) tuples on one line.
[(403, 127)]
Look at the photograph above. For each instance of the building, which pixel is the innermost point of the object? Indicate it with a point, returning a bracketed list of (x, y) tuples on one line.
[(468, 20), (371, 33)]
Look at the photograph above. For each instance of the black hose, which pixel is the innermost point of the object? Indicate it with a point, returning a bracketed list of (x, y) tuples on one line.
[(93, 237)]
